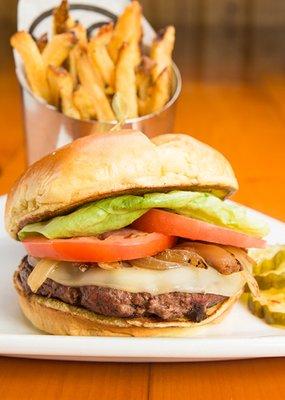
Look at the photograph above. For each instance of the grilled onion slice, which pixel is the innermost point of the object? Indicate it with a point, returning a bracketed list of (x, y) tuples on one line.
[(216, 256), (40, 273), (171, 258), (247, 264)]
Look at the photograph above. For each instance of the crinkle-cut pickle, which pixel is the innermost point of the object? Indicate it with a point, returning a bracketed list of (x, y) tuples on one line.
[(270, 306), (271, 280), (270, 273)]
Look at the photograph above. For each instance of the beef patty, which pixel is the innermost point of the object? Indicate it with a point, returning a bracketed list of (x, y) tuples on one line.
[(119, 303)]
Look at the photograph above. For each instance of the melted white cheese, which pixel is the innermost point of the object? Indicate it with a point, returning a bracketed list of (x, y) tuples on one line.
[(183, 279)]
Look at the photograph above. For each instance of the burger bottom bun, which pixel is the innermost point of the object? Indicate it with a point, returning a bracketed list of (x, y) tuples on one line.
[(58, 318)]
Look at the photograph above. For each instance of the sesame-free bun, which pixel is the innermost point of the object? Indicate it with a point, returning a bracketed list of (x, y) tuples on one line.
[(99, 166), (58, 318)]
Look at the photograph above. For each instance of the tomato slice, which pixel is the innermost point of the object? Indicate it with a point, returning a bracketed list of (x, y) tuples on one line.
[(124, 244), (178, 225)]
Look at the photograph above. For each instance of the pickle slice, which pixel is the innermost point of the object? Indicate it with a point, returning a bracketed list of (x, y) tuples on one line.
[(270, 305), (271, 280), (255, 306), (268, 260), (270, 273)]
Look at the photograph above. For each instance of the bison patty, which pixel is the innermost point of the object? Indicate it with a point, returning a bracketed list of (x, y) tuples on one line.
[(119, 303)]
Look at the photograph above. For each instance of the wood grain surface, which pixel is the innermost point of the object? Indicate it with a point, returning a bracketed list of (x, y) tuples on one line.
[(243, 118)]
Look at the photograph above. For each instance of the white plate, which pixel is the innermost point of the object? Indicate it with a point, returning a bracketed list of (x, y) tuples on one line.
[(239, 335)]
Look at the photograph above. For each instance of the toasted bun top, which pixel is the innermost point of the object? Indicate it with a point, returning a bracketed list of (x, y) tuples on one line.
[(95, 167)]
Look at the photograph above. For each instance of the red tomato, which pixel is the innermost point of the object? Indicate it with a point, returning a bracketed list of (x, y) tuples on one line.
[(124, 244), (178, 225)]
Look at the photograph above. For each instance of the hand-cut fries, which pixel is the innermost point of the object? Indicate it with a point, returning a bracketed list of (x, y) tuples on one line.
[(89, 80), (105, 77), (81, 34), (104, 34), (125, 79), (100, 57), (84, 103), (60, 18), (120, 107), (154, 97), (143, 77), (34, 65), (127, 29), (57, 50), (61, 86), (85, 69), (42, 41), (159, 94), (53, 86), (73, 54), (161, 50)]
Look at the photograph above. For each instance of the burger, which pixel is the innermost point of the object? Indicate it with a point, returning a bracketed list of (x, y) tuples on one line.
[(127, 236)]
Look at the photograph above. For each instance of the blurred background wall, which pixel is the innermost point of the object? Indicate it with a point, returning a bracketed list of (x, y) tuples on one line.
[(217, 39), (260, 13), (225, 39)]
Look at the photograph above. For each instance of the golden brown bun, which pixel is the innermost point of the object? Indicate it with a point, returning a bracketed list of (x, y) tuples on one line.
[(95, 167), (58, 318)]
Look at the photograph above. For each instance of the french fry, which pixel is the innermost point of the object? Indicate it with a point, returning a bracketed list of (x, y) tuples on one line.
[(120, 108), (161, 50), (70, 23), (83, 60), (57, 50), (61, 83), (72, 64), (101, 59), (83, 102), (33, 62), (89, 80), (159, 94), (42, 41), (143, 77), (125, 79), (127, 29), (99, 54), (81, 34), (104, 34), (52, 77), (61, 18)]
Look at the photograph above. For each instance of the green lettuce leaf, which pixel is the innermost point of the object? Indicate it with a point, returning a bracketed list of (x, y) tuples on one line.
[(115, 213), (89, 220)]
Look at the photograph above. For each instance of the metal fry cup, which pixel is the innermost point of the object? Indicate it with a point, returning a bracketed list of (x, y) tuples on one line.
[(47, 129)]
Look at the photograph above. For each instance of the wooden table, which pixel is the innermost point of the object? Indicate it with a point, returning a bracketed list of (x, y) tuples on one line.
[(244, 120)]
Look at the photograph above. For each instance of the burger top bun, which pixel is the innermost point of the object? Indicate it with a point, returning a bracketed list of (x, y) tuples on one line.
[(95, 167)]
